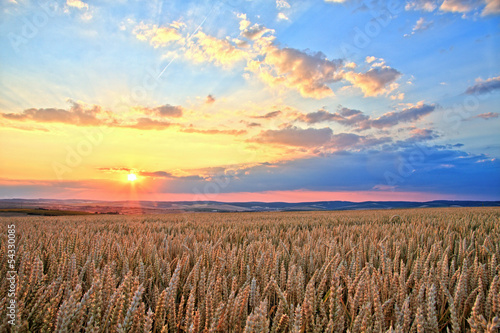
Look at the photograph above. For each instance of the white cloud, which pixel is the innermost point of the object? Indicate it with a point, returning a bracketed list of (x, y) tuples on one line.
[(422, 24), (205, 48), (282, 17), (425, 5), (280, 4), (77, 4), (370, 59)]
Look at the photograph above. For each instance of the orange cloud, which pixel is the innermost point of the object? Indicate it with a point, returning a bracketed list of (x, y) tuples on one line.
[(457, 6), (309, 74), (376, 81), (77, 114), (492, 7)]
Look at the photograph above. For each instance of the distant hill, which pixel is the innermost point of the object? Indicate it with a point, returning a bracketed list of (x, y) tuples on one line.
[(162, 207)]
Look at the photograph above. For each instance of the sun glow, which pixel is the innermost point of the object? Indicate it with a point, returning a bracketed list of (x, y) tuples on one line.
[(131, 177)]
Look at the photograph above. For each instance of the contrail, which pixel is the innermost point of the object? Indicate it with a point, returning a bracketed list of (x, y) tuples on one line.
[(189, 38)]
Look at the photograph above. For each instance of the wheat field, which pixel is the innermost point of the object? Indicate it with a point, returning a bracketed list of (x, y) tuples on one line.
[(421, 270)]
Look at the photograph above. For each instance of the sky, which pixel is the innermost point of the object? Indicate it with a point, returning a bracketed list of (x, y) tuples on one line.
[(239, 100)]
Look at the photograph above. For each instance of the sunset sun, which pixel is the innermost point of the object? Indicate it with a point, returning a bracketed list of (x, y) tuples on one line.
[(131, 177)]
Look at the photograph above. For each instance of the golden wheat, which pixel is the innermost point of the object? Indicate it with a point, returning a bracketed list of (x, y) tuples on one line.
[(426, 270)]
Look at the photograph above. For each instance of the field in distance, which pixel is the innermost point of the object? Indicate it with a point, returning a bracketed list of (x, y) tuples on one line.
[(418, 270)]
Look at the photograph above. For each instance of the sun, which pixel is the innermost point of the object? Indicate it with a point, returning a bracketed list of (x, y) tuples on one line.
[(131, 177)]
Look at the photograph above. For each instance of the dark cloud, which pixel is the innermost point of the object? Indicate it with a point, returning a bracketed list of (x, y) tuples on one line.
[(165, 174), (439, 170), (407, 115), (294, 136), (418, 167), (344, 116), (210, 99), (351, 141), (484, 86), (268, 115), (317, 117), (250, 124), (360, 121), (166, 110)]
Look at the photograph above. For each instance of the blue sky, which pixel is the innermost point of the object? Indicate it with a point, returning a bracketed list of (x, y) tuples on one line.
[(358, 99)]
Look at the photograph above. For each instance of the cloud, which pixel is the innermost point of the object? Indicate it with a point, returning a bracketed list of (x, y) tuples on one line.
[(268, 115), (77, 4), (425, 5), (114, 169), (455, 6), (421, 134), (317, 117), (484, 86), (407, 115), (437, 170), (149, 124), (489, 115), (421, 25), (78, 114), (397, 96), (360, 121), (458, 6), (370, 59), (204, 48), (165, 174), (166, 110), (345, 116), (282, 17), (433, 170), (158, 36), (250, 124), (375, 81), (280, 4), (350, 141), (255, 32), (209, 99), (152, 174), (294, 136), (213, 131), (308, 73), (199, 47), (350, 117), (492, 8)]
